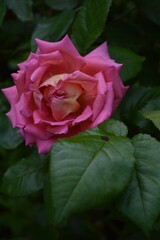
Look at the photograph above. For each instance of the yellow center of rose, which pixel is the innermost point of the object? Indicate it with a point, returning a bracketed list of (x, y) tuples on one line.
[(63, 96), (53, 80)]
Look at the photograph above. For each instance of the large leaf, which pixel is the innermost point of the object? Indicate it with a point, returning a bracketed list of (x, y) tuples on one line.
[(62, 4), (25, 177), (140, 202), (132, 63), (154, 116), (54, 28), (90, 22), (9, 138), (86, 172), (2, 11), (22, 8)]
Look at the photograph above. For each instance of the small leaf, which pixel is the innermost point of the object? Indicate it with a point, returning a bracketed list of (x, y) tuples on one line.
[(154, 116), (132, 63), (22, 8), (140, 201), (114, 127), (9, 139), (54, 28), (86, 172), (62, 4), (25, 177), (90, 22), (137, 101), (107, 128), (2, 11)]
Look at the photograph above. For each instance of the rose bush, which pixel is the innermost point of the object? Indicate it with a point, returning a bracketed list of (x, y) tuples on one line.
[(59, 93)]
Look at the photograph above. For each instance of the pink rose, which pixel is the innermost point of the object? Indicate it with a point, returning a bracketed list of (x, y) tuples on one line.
[(59, 93)]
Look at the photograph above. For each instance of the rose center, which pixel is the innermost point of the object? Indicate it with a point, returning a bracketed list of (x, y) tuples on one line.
[(61, 95)]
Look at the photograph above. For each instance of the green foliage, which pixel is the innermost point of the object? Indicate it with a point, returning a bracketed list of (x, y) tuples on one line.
[(154, 116), (9, 139), (25, 177), (2, 11), (62, 4), (140, 201), (102, 170), (151, 9), (139, 100), (54, 28), (132, 63), (90, 19), (113, 127), (103, 183), (22, 8)]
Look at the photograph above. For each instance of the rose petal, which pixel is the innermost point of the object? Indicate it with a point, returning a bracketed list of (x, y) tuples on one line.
[(101, 51), (38, 132), (37, 96), (61, 108), (71, 56), (112, 75), (52, 58), (52, 81), (29, 139), (37, 75), (27, 105), (98, 105), (106, 108), (19, 81), (86, 114), (15, 117), (88, 83), (44, 146), (97, 64), (11, 94), (65, 45), (30, 67), (101, 83), (39, 118), (73, 90), (58, 129)]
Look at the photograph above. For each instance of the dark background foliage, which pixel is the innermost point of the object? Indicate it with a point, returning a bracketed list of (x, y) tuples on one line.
[(132, 31)]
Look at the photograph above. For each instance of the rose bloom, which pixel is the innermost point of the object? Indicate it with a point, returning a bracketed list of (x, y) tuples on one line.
[(59, 93)]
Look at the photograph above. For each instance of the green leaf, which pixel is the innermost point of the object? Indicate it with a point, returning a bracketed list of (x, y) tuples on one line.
[(2, 11), (9, 139), (62, 4), (114, 127), (107, 128), (25, 177), (54, 28), (22, 8), (154, 116), (137, 101), (90, 22), (140, 201), (151, 9), (132, 63), (86, 172)]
